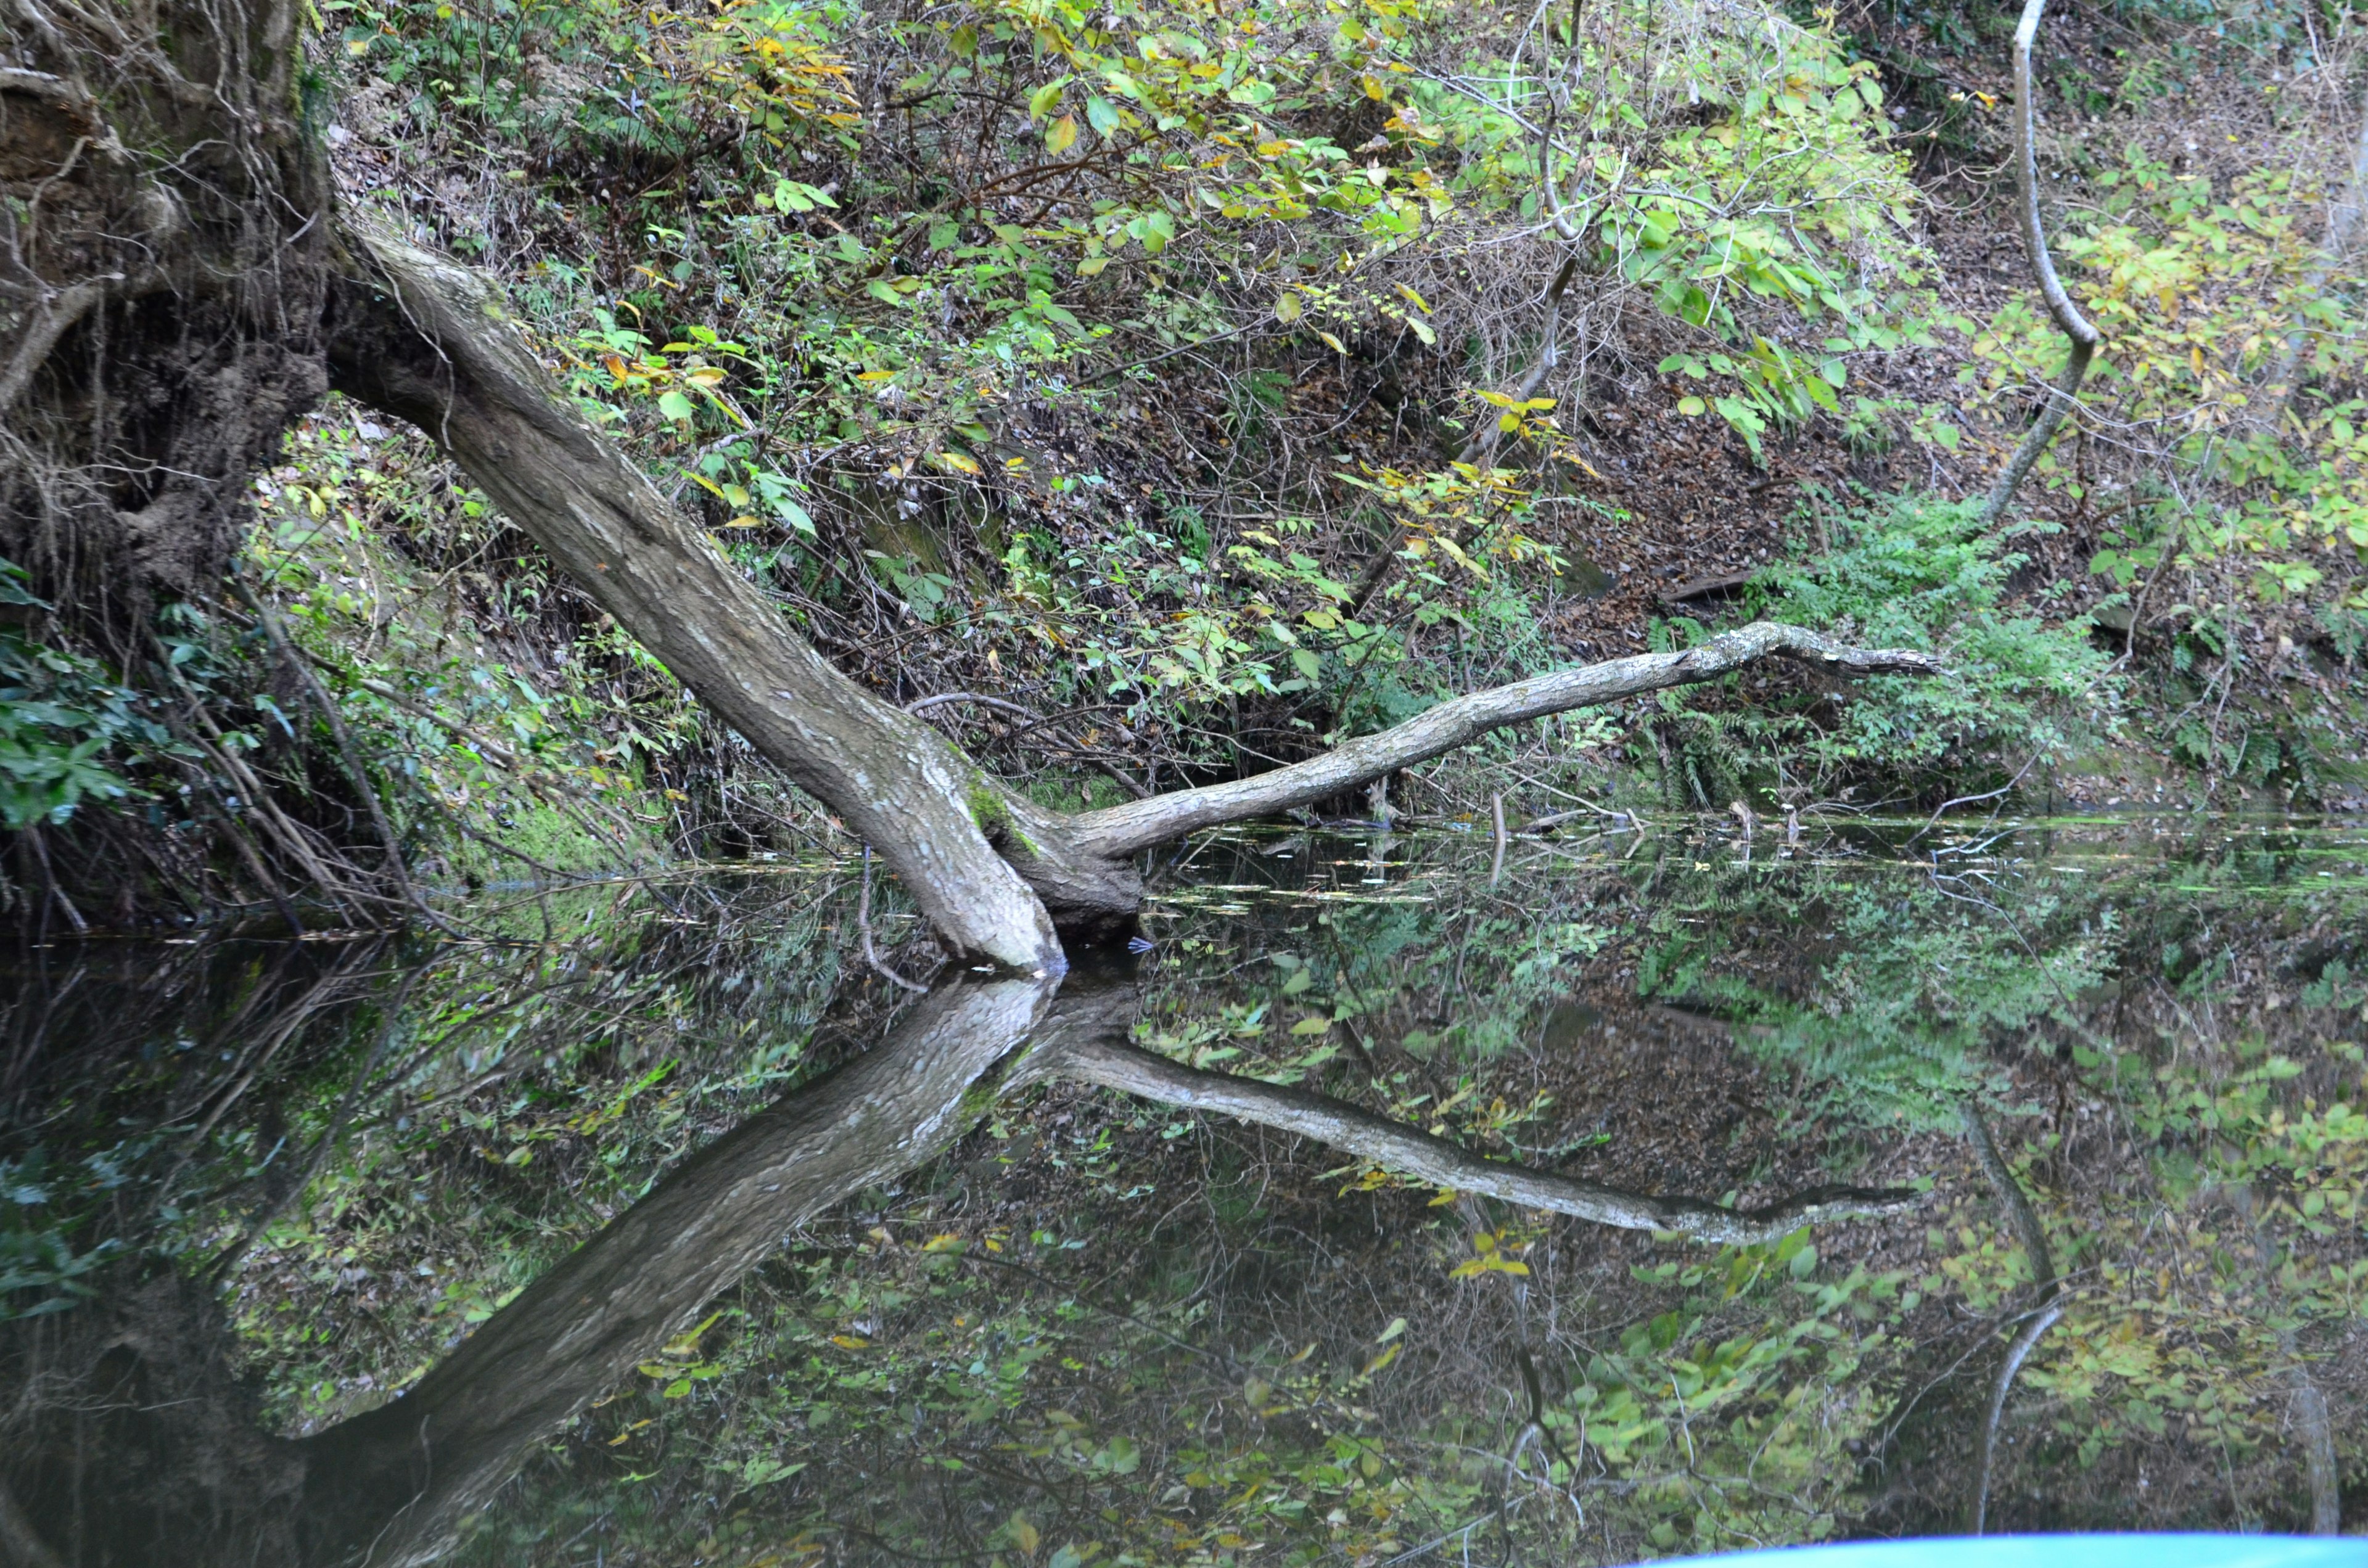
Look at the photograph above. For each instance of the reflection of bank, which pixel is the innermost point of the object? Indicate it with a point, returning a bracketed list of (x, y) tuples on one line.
[(119, 1466), (139, 1451)]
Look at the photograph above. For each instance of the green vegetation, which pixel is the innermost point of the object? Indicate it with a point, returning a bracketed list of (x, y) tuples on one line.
[(1209, 383)]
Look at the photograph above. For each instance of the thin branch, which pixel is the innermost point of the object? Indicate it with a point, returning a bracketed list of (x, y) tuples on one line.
[(1409, 1151), (863, 928), (2076, 327), (1120, 830), (2034, 1236)]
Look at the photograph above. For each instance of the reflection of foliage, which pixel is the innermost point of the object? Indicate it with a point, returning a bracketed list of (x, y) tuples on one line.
[(1913, 988), (65, 726), (41, 1271)]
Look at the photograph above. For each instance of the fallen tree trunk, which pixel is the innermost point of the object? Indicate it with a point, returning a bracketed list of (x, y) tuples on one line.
[(1405, 1150), (1122, 829), (425, 339)]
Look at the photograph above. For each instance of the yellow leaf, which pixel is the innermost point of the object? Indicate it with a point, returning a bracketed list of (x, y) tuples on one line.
[(1061, 135), (746, 523), (850, 1341), (1286, 306), (945, 1241), (959, 461), (1338, 348), (684, 1348), (1024, 1535), (1415, 300)]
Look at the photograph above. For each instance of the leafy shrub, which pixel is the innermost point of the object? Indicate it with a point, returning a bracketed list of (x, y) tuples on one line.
[(61, 717), (1914, 571)]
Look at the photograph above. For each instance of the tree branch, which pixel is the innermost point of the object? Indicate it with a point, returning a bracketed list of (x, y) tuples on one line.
[(1117, 831), (2049, 1307), (2076, 327), (1408, 1152)]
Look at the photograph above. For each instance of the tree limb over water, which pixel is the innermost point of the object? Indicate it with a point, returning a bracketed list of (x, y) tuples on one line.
[(426, 340), (1409, 1151), (1138, 824)]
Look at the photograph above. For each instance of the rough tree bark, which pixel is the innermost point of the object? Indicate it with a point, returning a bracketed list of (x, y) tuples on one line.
[(2083, 337), (426, 340)]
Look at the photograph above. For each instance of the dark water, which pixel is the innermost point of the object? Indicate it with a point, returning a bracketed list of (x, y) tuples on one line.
[(1624, 1198)]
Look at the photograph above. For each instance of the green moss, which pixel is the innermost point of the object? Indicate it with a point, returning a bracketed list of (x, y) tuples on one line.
[(993, 815)]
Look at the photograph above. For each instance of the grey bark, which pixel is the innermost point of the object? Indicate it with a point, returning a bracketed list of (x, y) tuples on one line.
[(1135, 824), (427, 340), (2077, 327), (1407, 1151), (403, 1475)]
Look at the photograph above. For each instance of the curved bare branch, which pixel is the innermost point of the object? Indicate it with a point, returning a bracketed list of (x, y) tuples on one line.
[(1409, 1151), (2049, 1307), (2084, 336), (1120, 830)]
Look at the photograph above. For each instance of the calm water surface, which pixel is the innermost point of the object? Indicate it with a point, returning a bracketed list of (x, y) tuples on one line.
[(1624, 1195)]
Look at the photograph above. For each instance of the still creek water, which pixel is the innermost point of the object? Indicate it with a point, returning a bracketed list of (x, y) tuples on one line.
[(664, 1231)]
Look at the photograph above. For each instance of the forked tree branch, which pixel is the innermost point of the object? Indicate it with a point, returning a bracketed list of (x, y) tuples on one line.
[(1120, 830), (2044, 1311), (2084, 336), (1407, 1151)]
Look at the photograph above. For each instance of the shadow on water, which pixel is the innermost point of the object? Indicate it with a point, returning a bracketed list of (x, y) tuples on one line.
[(1606, 1198)]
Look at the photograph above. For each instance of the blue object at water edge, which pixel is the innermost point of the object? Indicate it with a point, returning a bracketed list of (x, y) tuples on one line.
[(2061, 1551)]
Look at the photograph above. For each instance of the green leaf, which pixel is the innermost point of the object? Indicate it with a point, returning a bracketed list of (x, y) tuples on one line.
[(675, 406), (1040, 101), (1102, 115)]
